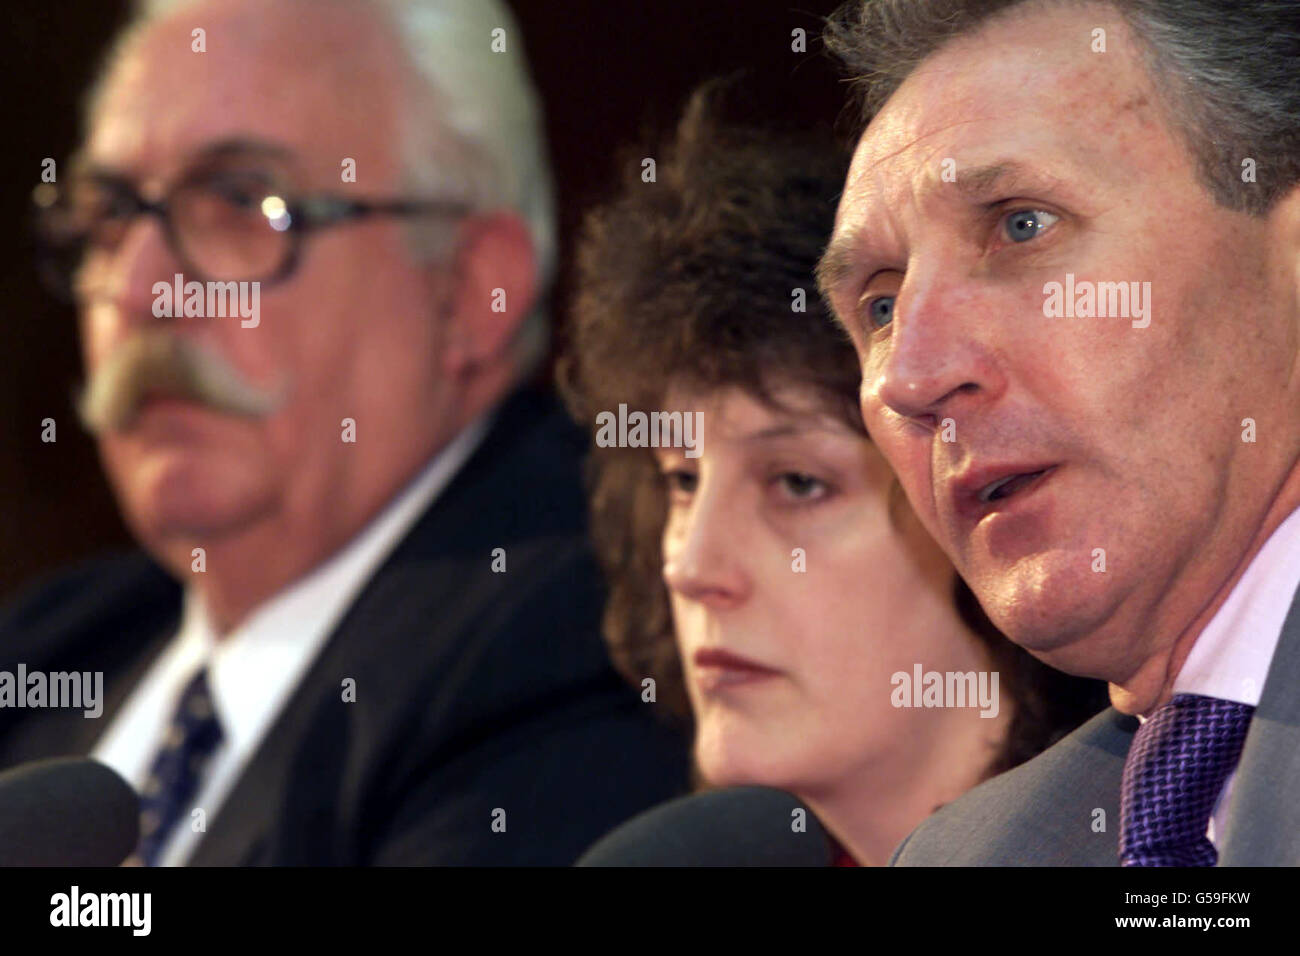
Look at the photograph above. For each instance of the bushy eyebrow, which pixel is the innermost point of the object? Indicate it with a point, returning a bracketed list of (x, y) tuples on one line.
[(979, 184), (837, 265), (973, 185), (240, 147), (234, 147)]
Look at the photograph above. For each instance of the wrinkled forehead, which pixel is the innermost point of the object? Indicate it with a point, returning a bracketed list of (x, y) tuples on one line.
[(1042, 88), (318, 81)]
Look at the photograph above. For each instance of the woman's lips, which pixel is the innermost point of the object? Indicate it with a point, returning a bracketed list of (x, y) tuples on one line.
[(717, 669)]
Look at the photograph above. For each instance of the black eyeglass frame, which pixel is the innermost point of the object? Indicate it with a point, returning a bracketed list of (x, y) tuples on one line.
[(307, 214)]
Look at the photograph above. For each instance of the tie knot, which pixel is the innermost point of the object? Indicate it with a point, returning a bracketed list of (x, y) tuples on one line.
[(1176, 768), (195, 720)]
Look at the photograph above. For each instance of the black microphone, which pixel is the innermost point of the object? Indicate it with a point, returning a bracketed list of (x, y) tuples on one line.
[(735, 826), (68, 811)]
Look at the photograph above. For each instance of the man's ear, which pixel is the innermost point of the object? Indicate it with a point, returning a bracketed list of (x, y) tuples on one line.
[(495, 282)]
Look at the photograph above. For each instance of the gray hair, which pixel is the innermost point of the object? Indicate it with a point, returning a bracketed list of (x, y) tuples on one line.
[(474, 131), (1228, 77)]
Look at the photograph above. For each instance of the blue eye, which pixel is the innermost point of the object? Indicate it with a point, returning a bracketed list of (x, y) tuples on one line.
[(1026, 224), (880, 311)]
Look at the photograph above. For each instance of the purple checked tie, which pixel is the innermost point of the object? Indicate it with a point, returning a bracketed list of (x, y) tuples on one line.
[(1176, 767)]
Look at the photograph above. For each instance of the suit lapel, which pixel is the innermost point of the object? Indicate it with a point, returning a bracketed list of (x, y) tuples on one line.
[(1263, 826), (405, 625), (399, 615), (1059, 809), (1080, 777)]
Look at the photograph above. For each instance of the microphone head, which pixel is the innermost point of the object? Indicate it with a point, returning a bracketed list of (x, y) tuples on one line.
[(67, 811), (735, 826)]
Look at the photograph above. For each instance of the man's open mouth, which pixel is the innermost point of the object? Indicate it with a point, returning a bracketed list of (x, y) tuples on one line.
[(1008, 486)]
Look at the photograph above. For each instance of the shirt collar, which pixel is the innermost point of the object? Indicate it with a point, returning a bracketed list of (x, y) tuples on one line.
[(1231, 657), (249, 669)]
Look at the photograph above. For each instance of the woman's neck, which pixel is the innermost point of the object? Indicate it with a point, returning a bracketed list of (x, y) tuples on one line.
[(873, 809)]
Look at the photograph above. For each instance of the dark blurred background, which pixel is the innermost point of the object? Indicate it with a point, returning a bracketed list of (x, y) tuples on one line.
[(612, 73)]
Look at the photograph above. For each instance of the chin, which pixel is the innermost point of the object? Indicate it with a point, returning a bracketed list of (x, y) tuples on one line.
[(744, 760), (170, 496), (1048, 602)]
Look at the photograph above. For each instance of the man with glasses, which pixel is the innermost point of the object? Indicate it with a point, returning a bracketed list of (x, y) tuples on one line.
[(371, 634)]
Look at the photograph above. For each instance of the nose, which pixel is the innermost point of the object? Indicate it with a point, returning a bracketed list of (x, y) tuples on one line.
[(125, 275), (704, 550), (935, 363)]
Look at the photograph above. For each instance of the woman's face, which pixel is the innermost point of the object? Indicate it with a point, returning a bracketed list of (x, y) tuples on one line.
[(795, 596)]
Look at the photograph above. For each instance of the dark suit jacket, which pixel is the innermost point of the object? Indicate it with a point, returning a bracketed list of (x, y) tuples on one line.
[(475, 690), (1044, 812)]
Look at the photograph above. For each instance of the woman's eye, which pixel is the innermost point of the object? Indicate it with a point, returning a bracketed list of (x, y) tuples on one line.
[(1026, 224), (880, 311), (680, 482), (801, 487)]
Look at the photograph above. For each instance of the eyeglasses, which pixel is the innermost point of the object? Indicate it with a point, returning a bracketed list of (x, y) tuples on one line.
[(225, 226)]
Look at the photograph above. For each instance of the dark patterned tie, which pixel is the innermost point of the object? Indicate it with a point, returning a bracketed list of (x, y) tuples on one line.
[(192, 736), (1175, 770)]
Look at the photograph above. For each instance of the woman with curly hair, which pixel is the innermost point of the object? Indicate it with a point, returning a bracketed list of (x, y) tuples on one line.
[(777, 586)]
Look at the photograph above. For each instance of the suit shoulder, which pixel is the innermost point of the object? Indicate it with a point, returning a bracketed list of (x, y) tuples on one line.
[(1042, 812), (107, 586), (543, 627)]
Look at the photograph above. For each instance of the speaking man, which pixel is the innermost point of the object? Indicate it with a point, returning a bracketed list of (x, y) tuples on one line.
[(1116, 475)]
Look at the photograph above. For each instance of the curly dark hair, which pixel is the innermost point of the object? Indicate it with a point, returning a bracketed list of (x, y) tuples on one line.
[(691, 280)]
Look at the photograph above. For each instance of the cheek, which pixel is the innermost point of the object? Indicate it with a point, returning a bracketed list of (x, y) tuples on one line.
[(262, 354), (881, 576), (100, 332), (690, 631), (687, 624), (910, 468), (905, 450), (366, 270), (670, 541), (303, 340), (856, 602)]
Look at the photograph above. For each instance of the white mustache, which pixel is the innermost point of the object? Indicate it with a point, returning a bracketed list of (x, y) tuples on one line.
[(158, 362)]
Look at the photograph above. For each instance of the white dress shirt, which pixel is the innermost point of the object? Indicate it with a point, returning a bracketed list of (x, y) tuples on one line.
[(1231, 657), (254, 669)]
